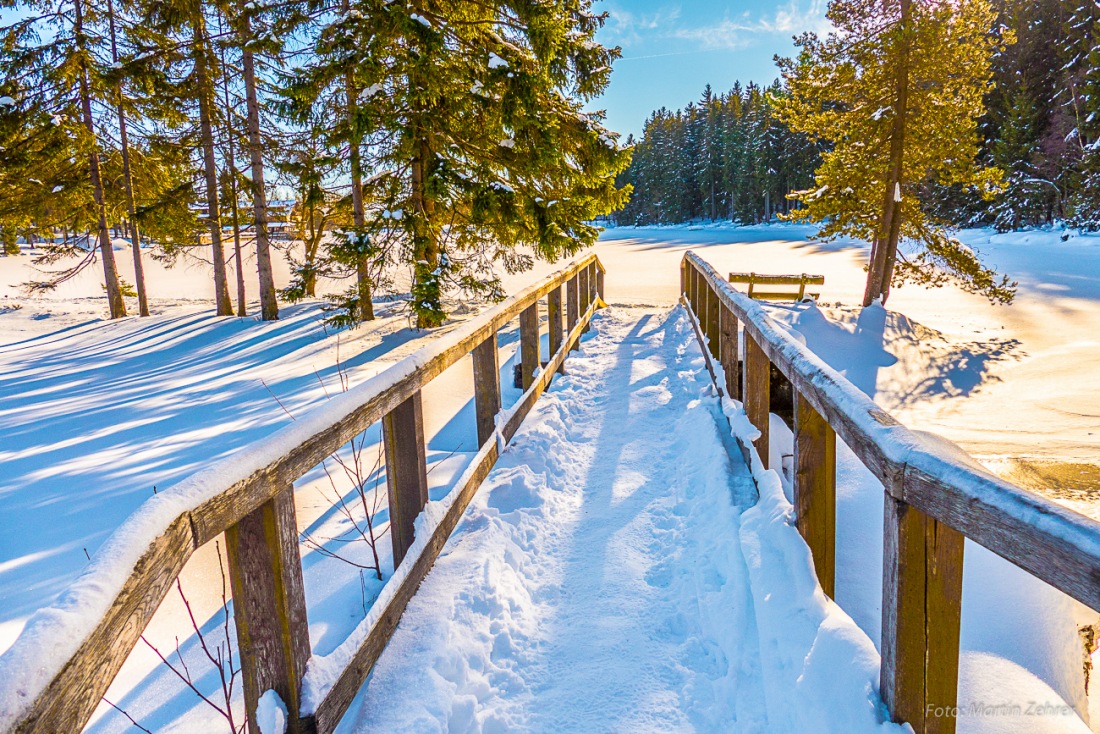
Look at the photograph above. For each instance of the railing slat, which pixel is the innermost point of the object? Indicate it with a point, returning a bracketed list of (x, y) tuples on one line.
[(585, 292), (921, 615), (712, 325), (269, 605), (554, 314), (529, 344), (757, 382), (573, 303), (406, 471), (729, 349), (815, 489), (486, 387)]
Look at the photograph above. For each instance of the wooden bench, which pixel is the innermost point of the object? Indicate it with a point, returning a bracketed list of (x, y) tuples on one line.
[(799, 281)]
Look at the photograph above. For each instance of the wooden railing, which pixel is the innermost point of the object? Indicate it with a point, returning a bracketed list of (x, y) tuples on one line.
[(256, 513), (935, 495)]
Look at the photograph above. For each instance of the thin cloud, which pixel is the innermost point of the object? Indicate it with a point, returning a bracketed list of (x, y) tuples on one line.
[(627, 28)]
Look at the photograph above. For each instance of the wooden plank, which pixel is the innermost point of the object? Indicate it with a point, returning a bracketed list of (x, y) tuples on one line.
[(1047, 540), (815, 489), (585, 292), (529, 345), (729, 351), (269, 605), (780, 296), (713, 330), (573, 302), (921, 614), (757, 383), (486, 359), (554, 315), (406, 471), (67, 702), (759, 279), (693, 290)]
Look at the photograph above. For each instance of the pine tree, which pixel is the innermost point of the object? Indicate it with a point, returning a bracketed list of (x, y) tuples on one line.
[(184, 42), (897, 94), (244, 16), (57, 82), (127, 173), (482, 145)]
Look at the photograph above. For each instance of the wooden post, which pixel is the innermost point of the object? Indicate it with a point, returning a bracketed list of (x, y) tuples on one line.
[(269, 605), (529, 344), (599, 284), (815, 488), (684, 277), (728, 346), (582, 286), (757, 383), (921, 612), (554, 314), (486, 387), (572, 304), (406, 471), (693, 290), (713, 327)]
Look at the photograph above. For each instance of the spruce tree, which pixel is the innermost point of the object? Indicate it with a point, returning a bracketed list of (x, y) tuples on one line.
[(49, 124), (483, 148), (127, 173), (897, 94)]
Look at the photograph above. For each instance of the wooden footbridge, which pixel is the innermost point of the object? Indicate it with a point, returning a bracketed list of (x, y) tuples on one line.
[(934, 498)]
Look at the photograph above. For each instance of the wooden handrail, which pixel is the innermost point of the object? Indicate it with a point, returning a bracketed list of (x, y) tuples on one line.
[(246, 496), (935, 495)]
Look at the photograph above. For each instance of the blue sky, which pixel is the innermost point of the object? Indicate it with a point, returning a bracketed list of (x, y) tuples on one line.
[(671, 50)]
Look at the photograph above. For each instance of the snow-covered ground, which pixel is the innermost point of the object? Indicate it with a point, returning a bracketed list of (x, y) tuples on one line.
[(95, 414), (598, 581)]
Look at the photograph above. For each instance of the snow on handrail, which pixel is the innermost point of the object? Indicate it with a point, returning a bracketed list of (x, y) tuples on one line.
[(1050, 541)]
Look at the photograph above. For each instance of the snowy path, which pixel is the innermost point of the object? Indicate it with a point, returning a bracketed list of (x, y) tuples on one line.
[(597, 582)]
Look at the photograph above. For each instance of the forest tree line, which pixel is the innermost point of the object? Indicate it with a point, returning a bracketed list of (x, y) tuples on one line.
[(732, 157), (727, 157), (440, 136)]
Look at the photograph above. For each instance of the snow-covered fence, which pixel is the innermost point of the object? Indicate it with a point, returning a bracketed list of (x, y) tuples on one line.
[(54, 676), (935, 496)]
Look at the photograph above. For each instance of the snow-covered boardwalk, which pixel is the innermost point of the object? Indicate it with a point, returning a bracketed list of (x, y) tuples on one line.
[(605, 579)]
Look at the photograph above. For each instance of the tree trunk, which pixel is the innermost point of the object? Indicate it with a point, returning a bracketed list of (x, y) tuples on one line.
[(885, 247), (238, 259), (128, 180), (269, 306), (200, 50), (362, 269), (310, 243), (425, 243), (106, 250)]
